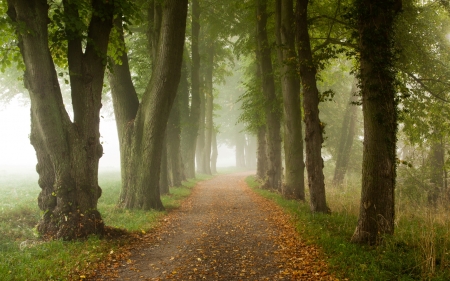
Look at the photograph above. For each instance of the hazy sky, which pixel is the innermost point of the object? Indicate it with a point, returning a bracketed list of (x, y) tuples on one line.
[(16, 150)]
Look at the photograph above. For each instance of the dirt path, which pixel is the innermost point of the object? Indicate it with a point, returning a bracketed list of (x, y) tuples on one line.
[(224, 231)]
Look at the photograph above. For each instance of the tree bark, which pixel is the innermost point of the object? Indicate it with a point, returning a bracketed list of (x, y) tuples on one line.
[(375, 27), (67, 152), (145, 133), (294, 183), (190, 130), (346, 139), (313, 128), (274, 168)]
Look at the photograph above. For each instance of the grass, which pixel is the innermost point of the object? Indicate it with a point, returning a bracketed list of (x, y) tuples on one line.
[(418, 251), (24, 257)]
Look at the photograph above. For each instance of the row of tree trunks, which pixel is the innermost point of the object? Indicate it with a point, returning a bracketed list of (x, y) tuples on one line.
[(347, 135), (215, 152), (294, 181), (375, 27), (68, 152), (273, 177), (261, 163), (313, 129)]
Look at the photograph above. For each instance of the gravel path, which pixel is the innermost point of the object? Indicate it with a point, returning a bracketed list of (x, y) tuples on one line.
[(224, 231)]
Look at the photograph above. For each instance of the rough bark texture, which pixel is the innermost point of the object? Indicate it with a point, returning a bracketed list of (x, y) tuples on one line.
[(294, 179), (209, 107), (313, 129), (214, 153), (346, 139), (140, 188), (67, 153), (375, 26), (274, 168), (261, 161)]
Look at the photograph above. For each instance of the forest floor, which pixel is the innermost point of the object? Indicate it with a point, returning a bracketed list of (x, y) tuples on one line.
[(223, 231)]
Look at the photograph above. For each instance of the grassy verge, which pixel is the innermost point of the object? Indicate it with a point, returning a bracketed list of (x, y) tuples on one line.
[(24, 257), (418, 250)]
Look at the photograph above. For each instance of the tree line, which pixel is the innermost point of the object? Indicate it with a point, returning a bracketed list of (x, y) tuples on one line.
[(162, 62)]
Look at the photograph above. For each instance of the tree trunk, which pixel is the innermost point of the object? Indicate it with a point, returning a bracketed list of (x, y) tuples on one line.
[(240, 150), (200, 149), (209, 107), (144, 134), (274, 168), (294, 183), (313, 129), (67, 153), (214, 153), (190, 130), (346, 139), (375, 26), (261, 161), (173, 139), (164, 176)]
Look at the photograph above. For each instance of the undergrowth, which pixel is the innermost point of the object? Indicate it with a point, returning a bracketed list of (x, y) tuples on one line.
[(419, 250), (23, 256)]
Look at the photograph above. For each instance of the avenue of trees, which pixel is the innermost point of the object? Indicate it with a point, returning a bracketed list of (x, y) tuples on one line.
[(377, 70)]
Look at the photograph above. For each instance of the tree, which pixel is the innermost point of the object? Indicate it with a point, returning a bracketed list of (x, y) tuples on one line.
[(346, 139), (273, 137), (143, 127), (375, 22), (294, 182), (67, 152), (191, 121), (313, 129)]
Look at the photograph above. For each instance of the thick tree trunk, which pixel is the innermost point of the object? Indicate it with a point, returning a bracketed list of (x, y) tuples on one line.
[(375, 27), (190, 130), (261, 161), (346, 139), (68, 153), (313, 129), (240, 150), (214, 153), (146, 132), (294, 183), (209, 107), (274, 168)]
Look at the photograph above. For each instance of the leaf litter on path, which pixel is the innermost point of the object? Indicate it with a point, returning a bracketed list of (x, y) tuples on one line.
[(223, 231)]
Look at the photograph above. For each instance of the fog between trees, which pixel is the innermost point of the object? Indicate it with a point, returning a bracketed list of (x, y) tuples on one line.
[(312, 95)]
